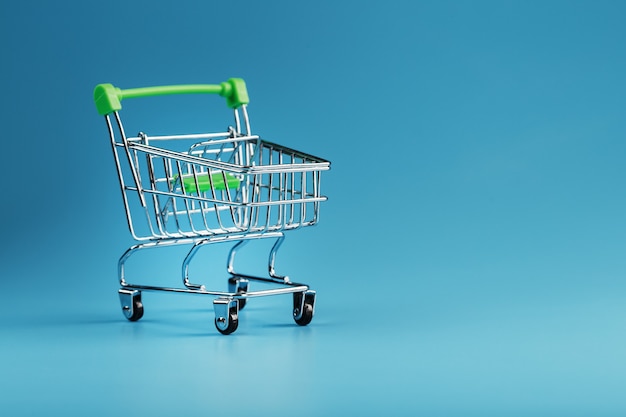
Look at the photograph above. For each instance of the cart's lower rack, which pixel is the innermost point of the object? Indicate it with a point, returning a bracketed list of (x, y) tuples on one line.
[(228, 303)]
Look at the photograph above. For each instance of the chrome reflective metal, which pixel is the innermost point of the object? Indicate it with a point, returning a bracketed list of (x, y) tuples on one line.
[(238, 285), (127, 300), (202, 189), (226, 309)]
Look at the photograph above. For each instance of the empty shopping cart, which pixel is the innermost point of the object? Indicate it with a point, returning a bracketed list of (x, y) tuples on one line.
[(198, 189)]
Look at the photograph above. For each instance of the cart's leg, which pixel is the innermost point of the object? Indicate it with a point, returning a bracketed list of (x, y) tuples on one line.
[(226, 315), (132, 306), (303, 307), (185, 266), (230, 266), (236, 284), (272, 260)]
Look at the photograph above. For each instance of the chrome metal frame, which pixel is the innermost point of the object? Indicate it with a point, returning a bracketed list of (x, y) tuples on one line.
[(168, 202)]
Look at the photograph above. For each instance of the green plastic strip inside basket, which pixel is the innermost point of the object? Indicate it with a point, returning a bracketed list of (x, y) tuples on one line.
[(205, 183)]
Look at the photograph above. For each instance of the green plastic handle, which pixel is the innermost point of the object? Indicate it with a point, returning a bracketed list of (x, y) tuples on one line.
[(108, 97)]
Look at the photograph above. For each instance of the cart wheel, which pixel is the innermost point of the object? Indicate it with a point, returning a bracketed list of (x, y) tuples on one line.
[(238, 286), (226, 315), (306, 316), (233, 322), (137, 311), (303, 307), (132, 307)]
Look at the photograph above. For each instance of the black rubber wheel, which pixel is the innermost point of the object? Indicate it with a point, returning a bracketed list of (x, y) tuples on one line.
[(233, 322), (137, 311), (307, 315), (241, 302)]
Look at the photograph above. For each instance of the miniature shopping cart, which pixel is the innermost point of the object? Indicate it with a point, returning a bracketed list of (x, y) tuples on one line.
[(200, 189)]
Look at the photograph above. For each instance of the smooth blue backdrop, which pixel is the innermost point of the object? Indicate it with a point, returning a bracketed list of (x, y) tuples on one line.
[(469, 261)]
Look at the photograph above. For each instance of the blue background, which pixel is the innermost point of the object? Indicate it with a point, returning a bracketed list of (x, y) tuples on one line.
[(469, 261)]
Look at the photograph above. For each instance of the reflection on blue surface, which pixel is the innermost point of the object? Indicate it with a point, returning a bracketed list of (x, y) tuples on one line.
[(469, 261)]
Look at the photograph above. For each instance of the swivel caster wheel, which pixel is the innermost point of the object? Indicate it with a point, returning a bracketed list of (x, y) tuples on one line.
[(226, 315), (303, 307), (132, 307), (238, 286)]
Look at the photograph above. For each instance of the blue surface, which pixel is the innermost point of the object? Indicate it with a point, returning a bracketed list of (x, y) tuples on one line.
[(470, 259)]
